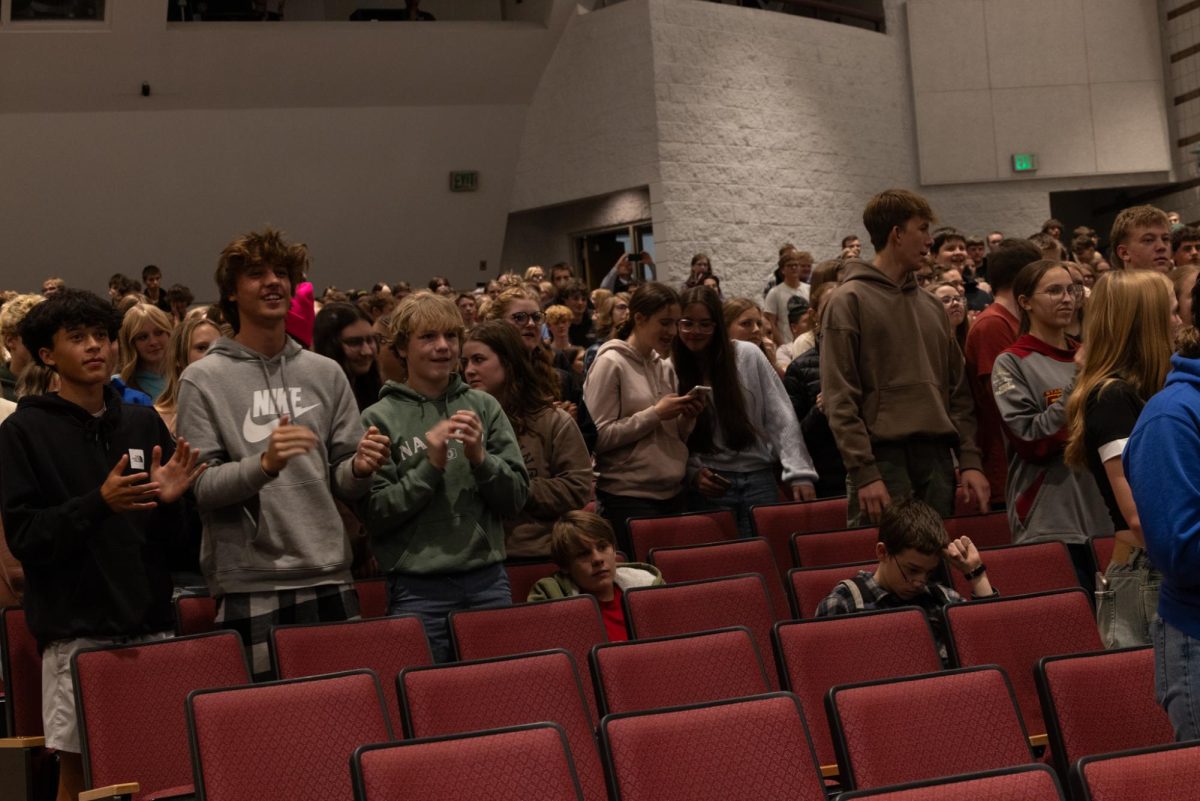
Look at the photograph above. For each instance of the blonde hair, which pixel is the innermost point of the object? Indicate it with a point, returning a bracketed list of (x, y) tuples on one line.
[(1128, 334), (1126, 221), (558, 314), (131, 326), (424, 311), (177, 359), (14, 311), (499, 308)]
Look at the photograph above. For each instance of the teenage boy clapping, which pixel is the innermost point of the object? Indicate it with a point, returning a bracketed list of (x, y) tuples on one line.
[(88, 507)]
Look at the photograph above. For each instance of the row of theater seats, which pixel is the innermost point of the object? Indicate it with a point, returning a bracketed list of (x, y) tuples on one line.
[(868, 726)]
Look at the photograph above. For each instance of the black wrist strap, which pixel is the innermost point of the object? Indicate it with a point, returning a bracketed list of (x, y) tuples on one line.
[(976, 573)]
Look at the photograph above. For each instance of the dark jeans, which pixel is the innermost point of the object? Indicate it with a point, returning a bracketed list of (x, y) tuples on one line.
[(434, 597), (746, 490), (617, 509), (918, 468)]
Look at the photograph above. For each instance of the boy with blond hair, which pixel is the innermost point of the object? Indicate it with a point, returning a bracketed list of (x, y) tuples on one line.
[(1141, 240)]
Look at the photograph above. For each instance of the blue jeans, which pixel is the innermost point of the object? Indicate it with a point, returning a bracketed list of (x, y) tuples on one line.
[(434, 597), (746, 490), (1177, 678)]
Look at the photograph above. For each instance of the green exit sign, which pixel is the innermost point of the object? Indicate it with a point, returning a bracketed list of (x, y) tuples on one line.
[(464, 181), (1024, 162)]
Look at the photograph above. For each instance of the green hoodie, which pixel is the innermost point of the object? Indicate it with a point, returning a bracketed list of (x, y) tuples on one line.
[(427, 521)]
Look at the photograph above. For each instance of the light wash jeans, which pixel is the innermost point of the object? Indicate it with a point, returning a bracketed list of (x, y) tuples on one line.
[(1177, 678), (434, 597)]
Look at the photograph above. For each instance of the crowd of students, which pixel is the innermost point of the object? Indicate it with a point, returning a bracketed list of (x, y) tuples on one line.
[(273, 446)]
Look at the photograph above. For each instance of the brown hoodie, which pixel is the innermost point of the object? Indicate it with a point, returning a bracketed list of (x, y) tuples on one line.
[(890, 370), (637, 454)]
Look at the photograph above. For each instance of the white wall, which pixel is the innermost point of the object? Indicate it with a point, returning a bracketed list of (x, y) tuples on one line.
[(341, 133), (1078, 82)]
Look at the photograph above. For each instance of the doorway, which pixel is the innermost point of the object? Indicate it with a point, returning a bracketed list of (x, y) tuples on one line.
[(597, 251)]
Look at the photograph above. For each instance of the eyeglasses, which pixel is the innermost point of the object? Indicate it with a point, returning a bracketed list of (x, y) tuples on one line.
[(521, 318), (371, 341), (1056, 292), (703, 326), (953, 300), (923, 578)]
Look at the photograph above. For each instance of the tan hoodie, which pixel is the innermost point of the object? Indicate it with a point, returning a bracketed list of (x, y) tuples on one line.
[(637, 454), (890, 370)]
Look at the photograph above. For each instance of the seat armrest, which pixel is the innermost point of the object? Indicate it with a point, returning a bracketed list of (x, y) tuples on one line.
[(22, 742), (112, 791)]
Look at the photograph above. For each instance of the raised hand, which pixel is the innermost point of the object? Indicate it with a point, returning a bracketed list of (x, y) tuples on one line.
[(286, 442), (174, 477), (132, 493), (372, 453)]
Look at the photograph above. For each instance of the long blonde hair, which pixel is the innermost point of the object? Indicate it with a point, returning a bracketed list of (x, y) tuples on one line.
[(131, 326), (177, 358), (1127, 332)]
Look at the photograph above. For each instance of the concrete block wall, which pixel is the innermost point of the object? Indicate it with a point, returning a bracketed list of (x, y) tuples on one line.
[(1181, 31)]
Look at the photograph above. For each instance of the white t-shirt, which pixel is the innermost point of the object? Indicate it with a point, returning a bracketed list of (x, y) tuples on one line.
[(776, 304)]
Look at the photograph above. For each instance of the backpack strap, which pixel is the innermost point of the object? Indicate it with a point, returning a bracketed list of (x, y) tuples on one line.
[(852, 587)]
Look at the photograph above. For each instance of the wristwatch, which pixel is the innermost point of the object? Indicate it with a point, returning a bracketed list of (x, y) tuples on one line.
[(976, 573)]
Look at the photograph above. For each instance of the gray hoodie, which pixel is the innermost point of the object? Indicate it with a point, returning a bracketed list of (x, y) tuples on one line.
[(263, 533)]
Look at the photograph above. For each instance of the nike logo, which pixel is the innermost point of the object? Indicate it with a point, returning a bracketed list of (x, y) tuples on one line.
[(257, 432)]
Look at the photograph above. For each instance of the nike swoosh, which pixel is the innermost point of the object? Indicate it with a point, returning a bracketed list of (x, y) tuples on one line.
[(257, 432)]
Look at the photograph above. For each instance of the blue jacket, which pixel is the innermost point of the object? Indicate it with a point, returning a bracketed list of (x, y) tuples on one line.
[(1162, 464)]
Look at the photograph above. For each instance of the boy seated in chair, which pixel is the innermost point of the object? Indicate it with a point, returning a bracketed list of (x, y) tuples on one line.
[(912, 543), (584, 547)]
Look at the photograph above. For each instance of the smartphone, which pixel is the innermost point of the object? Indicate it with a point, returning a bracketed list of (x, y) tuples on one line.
[(717, 478), (700, 391)]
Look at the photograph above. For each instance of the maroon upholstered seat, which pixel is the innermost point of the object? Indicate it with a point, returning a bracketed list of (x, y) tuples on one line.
[(718, 559)]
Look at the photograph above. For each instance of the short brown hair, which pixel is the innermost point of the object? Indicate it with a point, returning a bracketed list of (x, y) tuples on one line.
[(890, 209), (253, 249), (912, 523), (575, 533), (1126, 221)]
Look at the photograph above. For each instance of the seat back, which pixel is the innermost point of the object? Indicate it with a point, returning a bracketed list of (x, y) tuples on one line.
[(130, 701), (284, 739), (573, 624), (676, 671), (810, 585), (693, 606), (986, 531), (718, 559), (372, 597), (818, 654), (523, 575), (691, 528), (195, 614), (1021, 783), (514, 764), (1102, 550), (824, 548), (738, 749), (1101, 702), (1163, 773), (776, 522), (22, 662), (924, 727), (1015, 633), (385, 645), (507, 691), (1024, 569)]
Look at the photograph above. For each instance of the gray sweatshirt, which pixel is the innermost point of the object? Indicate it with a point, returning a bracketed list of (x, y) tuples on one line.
[(263, 533), (770, 412), (1046, 500)]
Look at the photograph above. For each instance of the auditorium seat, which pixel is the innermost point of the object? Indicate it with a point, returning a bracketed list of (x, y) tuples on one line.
[(704, 605), (824, 548), (1020, 783), (520, 763), (27, 769), (816, 655), (747, 748), (195, 614), (776, 522), (1162, 773), (718, 559), (372, 597), (289, 739), (1100, 702), (1102, 550), (131, 699), (573, 624), (522, 575), (809, 585), (986, 531), (677, 670), (1024, 569), (924, 727), (690, 528), (1015, 633), (506, 691), (385, 645)]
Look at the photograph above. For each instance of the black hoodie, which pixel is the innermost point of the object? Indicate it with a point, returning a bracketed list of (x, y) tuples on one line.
[(89, 572)]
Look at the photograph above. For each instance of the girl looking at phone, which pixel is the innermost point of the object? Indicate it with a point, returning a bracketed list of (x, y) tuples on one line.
[(642, 425), (748, 428)]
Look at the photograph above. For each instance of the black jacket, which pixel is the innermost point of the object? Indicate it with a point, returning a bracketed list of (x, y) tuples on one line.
[(89, 572), (802, 380)]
